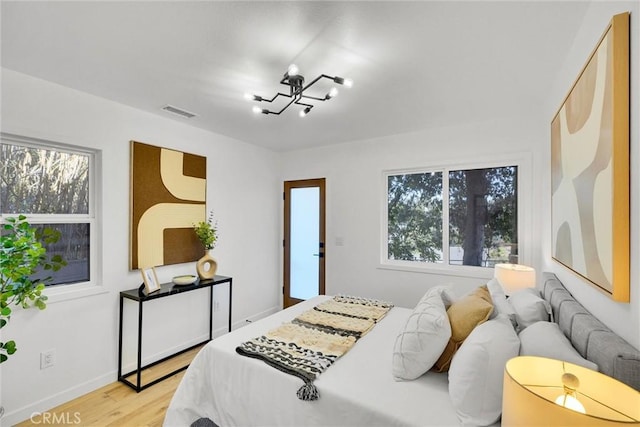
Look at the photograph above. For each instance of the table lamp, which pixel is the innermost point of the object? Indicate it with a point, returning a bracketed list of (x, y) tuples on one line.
[(513, 277), (548, 392)]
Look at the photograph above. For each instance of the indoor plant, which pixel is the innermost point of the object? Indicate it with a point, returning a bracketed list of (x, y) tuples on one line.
[(21, 255), (207, 232)]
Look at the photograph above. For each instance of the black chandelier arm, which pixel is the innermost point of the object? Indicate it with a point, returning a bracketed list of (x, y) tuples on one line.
[(314, 81), (303, 104), (261, 99), (314, 97), (283, 108)]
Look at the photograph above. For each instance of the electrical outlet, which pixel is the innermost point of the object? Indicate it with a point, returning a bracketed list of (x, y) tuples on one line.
[(47, 358), (216, 305)]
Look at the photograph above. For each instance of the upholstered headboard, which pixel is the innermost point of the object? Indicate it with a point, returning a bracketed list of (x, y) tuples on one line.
[(593, 340)]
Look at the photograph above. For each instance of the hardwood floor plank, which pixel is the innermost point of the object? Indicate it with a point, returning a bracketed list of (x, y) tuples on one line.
[(118, 405)]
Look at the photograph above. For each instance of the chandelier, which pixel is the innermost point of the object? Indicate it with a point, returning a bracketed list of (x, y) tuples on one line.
[(295, 82)]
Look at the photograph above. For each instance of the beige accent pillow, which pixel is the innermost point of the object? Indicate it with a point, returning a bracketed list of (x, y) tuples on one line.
[(464, 315)]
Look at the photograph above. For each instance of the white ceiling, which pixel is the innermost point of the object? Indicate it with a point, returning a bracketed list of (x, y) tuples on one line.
[(415, 64)]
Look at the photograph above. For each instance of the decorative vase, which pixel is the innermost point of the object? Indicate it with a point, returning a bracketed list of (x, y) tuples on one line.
[(206, 267)]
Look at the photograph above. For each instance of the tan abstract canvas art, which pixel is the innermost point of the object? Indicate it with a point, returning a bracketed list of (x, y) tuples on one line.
[(168, 195), (590, 167)]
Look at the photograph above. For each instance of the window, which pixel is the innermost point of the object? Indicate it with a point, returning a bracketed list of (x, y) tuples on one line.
[(452, 217), (53, 186)]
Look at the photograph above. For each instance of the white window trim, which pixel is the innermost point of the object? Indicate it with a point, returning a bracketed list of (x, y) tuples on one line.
[(65, 292), (525, 225)]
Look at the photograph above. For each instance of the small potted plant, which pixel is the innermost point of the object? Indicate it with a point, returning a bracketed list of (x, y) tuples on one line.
[(207, 232)]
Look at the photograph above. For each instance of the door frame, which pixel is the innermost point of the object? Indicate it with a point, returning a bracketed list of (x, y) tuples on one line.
[(288, 186)]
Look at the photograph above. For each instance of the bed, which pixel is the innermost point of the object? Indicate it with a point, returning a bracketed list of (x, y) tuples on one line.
[(359, 389)]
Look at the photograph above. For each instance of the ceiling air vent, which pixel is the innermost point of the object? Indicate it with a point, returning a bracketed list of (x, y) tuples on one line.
[(178, 111)]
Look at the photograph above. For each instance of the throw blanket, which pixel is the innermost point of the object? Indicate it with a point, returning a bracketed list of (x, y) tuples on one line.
[(310, 343)]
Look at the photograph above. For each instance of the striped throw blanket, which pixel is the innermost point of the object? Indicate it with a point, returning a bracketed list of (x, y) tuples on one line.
[(310, 343)]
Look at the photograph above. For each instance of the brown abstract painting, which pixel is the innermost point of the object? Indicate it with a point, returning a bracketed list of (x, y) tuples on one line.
[(168, 195), (590, 167)]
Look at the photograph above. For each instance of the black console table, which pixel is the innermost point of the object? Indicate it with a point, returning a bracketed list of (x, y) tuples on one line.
[(166, 290)]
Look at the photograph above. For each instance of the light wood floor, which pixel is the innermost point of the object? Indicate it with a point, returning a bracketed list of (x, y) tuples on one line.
[(118, 405)]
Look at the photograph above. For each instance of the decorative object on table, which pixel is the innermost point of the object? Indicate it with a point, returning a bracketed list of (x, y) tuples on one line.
[(207, 233), (168, 194), (150, 278), (295, 82), (590, 167), (514, 277), (22, 253), (186, 279), (547, 392)]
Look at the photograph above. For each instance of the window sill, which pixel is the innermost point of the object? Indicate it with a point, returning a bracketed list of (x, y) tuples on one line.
[(69, 292), (459, 271)]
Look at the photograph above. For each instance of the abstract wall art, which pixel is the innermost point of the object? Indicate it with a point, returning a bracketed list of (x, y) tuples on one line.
[(590, 167), (168, 195)]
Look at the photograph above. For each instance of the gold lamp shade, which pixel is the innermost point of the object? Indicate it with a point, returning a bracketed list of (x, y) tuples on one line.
[(533, 385)]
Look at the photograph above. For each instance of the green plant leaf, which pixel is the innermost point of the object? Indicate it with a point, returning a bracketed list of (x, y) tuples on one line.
[(10, 347)]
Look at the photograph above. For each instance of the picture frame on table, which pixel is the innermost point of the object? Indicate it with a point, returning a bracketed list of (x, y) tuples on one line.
[(150, 278)]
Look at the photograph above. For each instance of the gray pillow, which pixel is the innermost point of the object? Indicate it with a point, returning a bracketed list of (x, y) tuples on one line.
[(545, 339), (529, 308)]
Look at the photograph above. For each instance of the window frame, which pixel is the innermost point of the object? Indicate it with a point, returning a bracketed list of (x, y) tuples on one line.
[(67, 291), (524, 200)]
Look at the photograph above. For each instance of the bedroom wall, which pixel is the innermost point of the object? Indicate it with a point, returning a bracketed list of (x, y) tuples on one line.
[(84, 331), (353, 173), (622, 318), (355, 197)]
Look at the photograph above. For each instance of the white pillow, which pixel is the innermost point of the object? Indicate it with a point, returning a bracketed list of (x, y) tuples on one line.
[(423, 338), (500, 303), (529, 308), (477, 369), (547, 340)]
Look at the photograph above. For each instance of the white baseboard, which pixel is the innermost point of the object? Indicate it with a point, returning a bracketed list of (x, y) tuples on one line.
[(258, 316), (41, 406)]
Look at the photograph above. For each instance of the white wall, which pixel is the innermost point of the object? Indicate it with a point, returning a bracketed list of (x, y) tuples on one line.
[(623, 318), (354, 194), (353, 174), (84, 331)]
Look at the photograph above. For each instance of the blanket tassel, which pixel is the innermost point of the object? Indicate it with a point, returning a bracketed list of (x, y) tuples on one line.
[(308, 392)]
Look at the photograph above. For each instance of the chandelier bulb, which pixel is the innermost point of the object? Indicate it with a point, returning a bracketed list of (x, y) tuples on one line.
[(256, 109), (348, 83), (293, 70), (304, 112)]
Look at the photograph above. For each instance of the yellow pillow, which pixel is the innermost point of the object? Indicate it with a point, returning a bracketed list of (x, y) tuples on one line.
[(464, 315)]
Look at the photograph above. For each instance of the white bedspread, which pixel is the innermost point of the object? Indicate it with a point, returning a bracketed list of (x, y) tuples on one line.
[(357, 390)]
